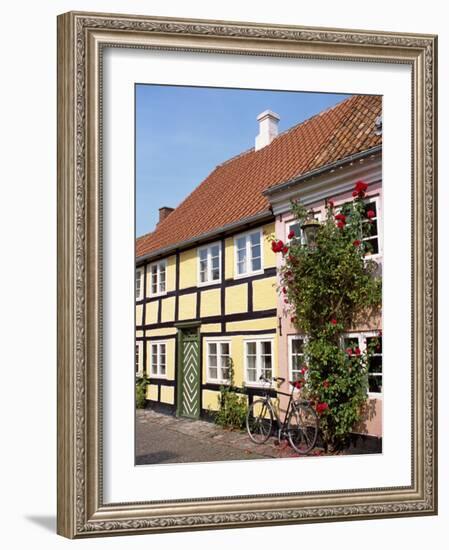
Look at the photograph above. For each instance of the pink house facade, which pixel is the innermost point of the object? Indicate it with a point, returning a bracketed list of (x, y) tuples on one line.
[(336, 182)]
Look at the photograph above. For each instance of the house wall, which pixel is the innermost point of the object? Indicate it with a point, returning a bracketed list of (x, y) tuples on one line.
[(234, 308), (371, 423)]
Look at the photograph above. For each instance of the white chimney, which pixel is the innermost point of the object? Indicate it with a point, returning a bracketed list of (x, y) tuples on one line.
[(268, 128)]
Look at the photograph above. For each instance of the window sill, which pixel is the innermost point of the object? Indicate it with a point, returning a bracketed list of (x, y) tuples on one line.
[(250, 274)]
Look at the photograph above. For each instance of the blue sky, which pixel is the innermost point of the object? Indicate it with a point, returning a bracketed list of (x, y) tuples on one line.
[(183, 132)]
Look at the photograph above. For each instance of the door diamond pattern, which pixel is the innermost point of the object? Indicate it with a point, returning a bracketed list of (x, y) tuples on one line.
[(190, 390)]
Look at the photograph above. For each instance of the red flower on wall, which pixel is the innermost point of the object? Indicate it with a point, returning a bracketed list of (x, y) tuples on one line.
[(334, 321), (330, 203), (284, 290), (360, 189), (340, 217), (291, 234), (357, 351), (284, 250), (349, 351), (293, 319), (370, 214), (356, 242), (277, 246), (321, 407), (341, 225), (326, 384)]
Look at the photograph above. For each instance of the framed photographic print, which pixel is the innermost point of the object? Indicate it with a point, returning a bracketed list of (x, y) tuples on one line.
[(246, 276)]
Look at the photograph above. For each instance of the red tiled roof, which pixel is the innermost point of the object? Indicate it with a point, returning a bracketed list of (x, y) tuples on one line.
[(233, 191)]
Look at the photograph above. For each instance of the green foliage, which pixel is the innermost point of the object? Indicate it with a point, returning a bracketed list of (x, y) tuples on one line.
[(141, 390), (232, 407), (326, 289)]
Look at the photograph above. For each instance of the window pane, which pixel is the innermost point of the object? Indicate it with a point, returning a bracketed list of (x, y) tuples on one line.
[(224, 348), (251, 375), (251, 348), (161, 277), (241, 243), (241, 268), (241, 255), (203, 254), (375, 384), (255, 239), (213, 373), (297, 346), (256, 264), (213, 348), (215, 251), (266, 347)]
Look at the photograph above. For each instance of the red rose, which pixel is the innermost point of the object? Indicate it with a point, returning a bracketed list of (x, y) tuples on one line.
[(276, 246), (334, 321), (298, 384), (355, 194), (370, 214), (341, 225), (330, 203), (349, 351), (284, 290), (303, 370), (356, 242), (284, 250), (321, 407), (360, 186), (340, 217), (357, 351), (288, 273), (326, 384), (285, 301), (293, 319), (291, 234)]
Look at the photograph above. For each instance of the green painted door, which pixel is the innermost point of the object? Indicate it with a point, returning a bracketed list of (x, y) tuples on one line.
[(189, 366)]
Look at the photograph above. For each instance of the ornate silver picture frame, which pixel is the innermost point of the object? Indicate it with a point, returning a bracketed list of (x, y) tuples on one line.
[(82, 41)]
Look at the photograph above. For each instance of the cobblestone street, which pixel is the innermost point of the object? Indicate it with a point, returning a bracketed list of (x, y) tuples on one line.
[(162, 438)]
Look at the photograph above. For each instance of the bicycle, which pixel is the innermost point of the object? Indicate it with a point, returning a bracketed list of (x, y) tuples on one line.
[(300, 423)]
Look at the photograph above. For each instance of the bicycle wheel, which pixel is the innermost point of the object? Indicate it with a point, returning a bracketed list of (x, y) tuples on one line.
[(302, 428), (259, 421)]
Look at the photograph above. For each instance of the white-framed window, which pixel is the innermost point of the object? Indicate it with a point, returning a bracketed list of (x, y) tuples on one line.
[(139, 358), (296, 357), (158, 274), (209, 264), (295, 226), (158, 359), (372, 225), (139, 283), (373, 239), (363, 340), (218, 360), (248, 253), (258, 359)]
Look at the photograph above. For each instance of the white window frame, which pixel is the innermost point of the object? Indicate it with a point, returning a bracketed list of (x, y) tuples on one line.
[(290, 339), (209, 280), (249, 272), (139, 353), (361, 337), (378, 255), (140, 274), (258, 340), (158, 343), (217, 340), (368, 199), (159, 264)]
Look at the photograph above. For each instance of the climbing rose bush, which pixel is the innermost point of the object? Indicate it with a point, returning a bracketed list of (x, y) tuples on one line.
[(324, 290)]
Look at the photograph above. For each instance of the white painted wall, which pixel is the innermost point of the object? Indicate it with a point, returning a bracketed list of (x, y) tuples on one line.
[(28, 275)]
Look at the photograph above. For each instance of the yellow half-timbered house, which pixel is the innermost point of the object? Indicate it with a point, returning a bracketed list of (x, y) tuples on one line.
[(206, 276)]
